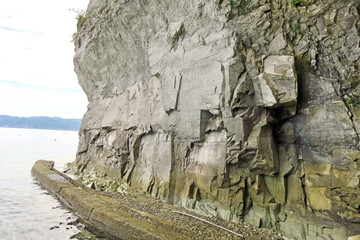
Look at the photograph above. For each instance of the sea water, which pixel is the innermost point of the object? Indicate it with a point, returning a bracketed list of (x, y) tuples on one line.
[(28, 211)]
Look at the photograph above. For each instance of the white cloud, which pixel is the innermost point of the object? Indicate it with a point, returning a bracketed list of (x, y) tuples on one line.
[(36, 49), (26, 100)]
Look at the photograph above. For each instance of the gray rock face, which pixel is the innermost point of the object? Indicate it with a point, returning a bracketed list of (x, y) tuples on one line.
[(250, 114)]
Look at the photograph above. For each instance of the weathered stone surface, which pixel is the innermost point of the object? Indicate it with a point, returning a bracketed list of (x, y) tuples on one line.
[(52, 181), (120, 220), (81, 201), (238, 113)]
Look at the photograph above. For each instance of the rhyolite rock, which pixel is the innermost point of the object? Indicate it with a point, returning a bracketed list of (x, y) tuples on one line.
[(250, 113)]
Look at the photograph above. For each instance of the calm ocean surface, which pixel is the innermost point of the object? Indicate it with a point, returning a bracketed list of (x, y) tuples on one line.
[(27, 211)]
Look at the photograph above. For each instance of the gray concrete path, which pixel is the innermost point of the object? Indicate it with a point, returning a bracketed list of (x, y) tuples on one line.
[(103, 212)]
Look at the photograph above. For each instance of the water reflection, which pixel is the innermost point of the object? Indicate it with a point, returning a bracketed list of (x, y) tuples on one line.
[(27, 210)]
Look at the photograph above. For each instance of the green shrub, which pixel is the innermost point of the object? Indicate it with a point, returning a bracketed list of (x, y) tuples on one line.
[(80, 17), (80, 20), (296, 2), (350, 101), (238, 5)]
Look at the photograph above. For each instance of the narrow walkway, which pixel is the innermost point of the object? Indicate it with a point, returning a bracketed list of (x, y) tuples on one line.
[(137, 216)]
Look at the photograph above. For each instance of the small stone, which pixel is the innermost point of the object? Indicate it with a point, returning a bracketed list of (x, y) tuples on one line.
[(277, 44), (266, 25)]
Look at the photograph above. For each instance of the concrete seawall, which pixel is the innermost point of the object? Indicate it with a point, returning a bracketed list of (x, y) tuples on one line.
[(104, 212), (121, 220)]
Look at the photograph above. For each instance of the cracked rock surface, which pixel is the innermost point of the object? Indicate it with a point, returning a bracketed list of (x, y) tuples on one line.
[(250, 113)]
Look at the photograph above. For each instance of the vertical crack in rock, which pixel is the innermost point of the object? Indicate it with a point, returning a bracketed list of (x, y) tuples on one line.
[(339, 92), (304, 191)]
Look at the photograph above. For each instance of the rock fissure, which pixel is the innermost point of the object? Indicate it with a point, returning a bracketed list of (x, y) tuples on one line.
[(351, 115)]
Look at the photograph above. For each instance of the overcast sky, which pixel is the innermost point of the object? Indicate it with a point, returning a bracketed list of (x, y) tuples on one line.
[(36, 59)]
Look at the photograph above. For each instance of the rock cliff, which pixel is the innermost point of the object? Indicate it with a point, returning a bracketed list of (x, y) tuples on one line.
[(241, 109)]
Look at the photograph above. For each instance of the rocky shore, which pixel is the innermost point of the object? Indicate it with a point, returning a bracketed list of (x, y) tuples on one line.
[(133, 215)]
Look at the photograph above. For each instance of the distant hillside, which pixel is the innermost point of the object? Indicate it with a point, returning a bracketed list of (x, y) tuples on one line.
[(54, 123)]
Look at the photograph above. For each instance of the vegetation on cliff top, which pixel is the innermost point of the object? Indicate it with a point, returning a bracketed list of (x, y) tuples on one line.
[(80, 17)]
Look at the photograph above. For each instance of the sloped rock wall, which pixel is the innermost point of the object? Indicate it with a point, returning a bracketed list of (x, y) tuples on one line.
[(249, 112)]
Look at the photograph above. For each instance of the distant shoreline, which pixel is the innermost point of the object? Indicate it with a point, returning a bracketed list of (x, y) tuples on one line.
[(45, 123), (46, 129)]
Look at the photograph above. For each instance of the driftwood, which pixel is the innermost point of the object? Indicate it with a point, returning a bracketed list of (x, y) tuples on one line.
[(203, 220)]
